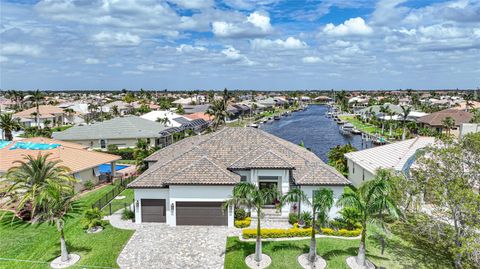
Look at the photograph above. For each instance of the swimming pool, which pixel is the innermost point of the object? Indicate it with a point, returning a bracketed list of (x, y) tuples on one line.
[(34, 146), (107, 168), (4, 143)]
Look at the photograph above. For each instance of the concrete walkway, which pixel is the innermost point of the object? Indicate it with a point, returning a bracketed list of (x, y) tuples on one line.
[(117, 221)]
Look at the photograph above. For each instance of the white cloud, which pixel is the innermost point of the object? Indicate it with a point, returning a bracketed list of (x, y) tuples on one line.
[(20, 49), (92, 61), (311, 59), (116, 39), (255, 25), (154, 67), (262, 21), (353, 26), (289, 43), (233, 55), (193, 4), (185, 48)]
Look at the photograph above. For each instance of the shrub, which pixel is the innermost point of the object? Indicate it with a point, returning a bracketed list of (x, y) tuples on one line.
[(306, 218), (112, 147), (89, 185), (243, 223), (240, 214), (92, 218), (292, 218), (128, 214), (297, 232)]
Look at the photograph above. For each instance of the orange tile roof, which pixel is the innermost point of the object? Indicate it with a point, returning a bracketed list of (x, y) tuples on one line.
[(72, 155), (199, 115), (46, 111)]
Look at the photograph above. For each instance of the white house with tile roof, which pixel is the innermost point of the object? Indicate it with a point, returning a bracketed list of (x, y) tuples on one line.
[(399, 156), (188, 182)]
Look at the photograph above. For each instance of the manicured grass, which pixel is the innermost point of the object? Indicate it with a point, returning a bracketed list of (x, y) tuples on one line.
[(119, 204), (61, 128), (399, 253), (40, 242)]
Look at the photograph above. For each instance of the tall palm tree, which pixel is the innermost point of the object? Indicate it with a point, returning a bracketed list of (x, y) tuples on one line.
[(369, 199), (405, 112), (218, 110), (384, 110), (249, 195), (32, 179), (8, 124), (36, 97), (321, 205), (115, 111), (58, 201), (295, 195), (468, 97), (448, 123)]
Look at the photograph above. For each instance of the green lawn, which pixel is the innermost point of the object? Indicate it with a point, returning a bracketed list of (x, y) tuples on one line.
[(119, 204), (398, 253), (20, 240)]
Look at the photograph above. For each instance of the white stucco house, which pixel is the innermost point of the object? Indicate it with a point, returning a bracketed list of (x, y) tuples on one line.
[(399, 156), (188, 182)]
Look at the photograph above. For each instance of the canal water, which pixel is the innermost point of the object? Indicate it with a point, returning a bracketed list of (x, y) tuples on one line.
[(312, 126)]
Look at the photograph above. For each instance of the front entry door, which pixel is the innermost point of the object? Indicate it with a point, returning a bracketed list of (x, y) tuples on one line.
[(268, 185)]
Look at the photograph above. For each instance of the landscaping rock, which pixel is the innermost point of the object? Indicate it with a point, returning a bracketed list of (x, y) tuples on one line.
[(119, 197), (58, 264), (352, 263), (319, 263), (264, 263), (94, 230)]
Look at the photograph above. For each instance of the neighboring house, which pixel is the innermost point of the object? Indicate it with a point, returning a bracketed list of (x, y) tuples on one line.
[(190, 109), (123, 108), (174, 119), (199, 115), (399, 156), (435, 120), (55, 115), (188, 182), (178, 121), (84, 164), (123, 132), (468, 128)]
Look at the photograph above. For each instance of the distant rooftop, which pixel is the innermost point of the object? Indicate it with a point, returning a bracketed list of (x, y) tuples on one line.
[(116, 128)]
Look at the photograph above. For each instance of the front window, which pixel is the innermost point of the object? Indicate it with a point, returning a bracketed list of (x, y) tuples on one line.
[(103, 143)]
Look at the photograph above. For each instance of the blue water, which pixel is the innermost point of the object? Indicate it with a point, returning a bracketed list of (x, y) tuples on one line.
[(311, 126), (107, 168), (34, 146), (4, 143)]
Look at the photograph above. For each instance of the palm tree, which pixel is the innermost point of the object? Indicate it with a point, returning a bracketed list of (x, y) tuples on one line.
[(405, 112), (115, 111), (468, 97), (58, 202), (36, 97), (8, 124), (448, 123), (384, 110), (32, 179), (369, 199), (295, 195), (218, 111), (249, 195), (322, 202), (165, 121)]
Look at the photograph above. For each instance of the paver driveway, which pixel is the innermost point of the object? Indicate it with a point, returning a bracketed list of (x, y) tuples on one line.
[(162, 246)]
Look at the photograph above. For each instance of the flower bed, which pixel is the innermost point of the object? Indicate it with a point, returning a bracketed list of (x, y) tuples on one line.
[(243, 223), (297, 232)]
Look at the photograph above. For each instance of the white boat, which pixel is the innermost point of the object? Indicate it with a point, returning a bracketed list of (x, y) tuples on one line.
[(253, 125)]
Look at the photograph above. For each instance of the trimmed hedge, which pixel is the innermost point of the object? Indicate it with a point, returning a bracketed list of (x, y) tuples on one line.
[(297, 232), (243, 223)]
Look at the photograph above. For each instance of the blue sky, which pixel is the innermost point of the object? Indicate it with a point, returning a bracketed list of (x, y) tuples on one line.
[(239, 44)]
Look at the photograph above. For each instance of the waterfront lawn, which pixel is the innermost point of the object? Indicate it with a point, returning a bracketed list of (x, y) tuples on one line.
[(40, 242), (399, 253), (365, 127)]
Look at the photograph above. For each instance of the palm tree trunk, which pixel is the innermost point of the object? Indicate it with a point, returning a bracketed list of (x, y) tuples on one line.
[(312, 254), (37, 117), (361, 249), (63, 246), (258, 243), (403, 132)]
